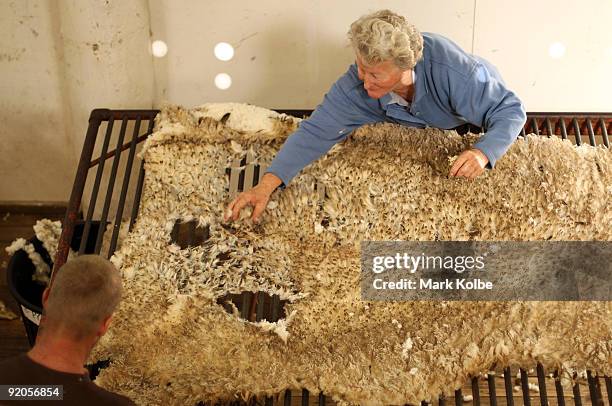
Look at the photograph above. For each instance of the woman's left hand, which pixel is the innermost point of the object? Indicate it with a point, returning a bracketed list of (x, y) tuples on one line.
[(470, 164)]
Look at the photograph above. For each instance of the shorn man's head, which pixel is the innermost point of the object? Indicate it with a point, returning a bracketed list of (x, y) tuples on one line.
[(83, 297)]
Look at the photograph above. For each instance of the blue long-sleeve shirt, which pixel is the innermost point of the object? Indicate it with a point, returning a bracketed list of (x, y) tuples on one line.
[(451, 88)]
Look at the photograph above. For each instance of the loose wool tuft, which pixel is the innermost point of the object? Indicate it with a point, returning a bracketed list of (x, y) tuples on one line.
[(170, 343)]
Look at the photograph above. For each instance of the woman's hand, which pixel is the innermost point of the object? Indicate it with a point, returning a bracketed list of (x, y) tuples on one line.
[(470, 164), (256, 197)]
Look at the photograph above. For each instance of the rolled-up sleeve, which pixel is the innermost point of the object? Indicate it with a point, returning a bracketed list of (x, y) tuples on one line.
[(329, 124), (484, 100)]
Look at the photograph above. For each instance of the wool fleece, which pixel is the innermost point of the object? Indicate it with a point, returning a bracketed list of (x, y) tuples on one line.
[(171, 343)]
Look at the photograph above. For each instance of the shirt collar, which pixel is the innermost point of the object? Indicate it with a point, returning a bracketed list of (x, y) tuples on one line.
[(397, 99)]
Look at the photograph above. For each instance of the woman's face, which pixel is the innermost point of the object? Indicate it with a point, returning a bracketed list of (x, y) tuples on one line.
[(379, 79)]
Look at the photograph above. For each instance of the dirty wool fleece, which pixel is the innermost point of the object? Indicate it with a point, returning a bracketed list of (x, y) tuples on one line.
[(170, 343)]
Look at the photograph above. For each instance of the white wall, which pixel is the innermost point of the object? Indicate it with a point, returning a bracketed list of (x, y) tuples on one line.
[(59, 59), (287, 53), (106, 57), (516, 36), (36, 150)]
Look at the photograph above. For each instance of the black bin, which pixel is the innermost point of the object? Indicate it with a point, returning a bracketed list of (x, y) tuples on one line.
[(28, 293)]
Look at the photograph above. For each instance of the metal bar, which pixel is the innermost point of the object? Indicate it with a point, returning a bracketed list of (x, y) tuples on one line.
[(287, 397), (109, 190), (563, 128), (492, 394), (246, 301), (234, 177), (294, 113), (609, 389), (534, 126), (606, 141), (249, 172), (576, 391), (508, 386), (125, 146), (305, 397), (542, 384), (275, 308), (559, 390), (549, 128), (191, 230), (475, 391), (594, 389), (129, 114), (261, 298), (75, 195), (136, 205), (96, 187), (249, 179), (568, 113), (576, 131), (139, 184), (441, 401), (458, 398), (538, 115), (268, 401), (589, 125), (322, 399), (124, 189), (253, 306), (525, 387)]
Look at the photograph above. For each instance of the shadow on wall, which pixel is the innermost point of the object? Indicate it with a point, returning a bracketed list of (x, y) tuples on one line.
[(38, 162)]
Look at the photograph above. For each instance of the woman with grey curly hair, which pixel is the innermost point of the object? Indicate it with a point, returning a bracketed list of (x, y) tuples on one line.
[(407, 77), (386, 48), (385, 36)]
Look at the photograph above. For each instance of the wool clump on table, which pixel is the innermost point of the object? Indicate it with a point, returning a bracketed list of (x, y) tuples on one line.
[(171, 343)]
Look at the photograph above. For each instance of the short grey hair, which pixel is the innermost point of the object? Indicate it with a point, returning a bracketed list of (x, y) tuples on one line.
[(85, 291), (386, 36)]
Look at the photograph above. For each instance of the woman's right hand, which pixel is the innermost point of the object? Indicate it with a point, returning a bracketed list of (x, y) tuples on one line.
[(256, 197)]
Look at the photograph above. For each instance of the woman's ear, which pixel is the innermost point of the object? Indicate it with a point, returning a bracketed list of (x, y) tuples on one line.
[(406, 78), (45, 297)]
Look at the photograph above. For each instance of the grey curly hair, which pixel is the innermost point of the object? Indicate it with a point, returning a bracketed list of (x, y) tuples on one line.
[(384, 35)]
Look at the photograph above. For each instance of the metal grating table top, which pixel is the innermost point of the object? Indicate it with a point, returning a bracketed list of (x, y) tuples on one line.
[(113, 196)]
